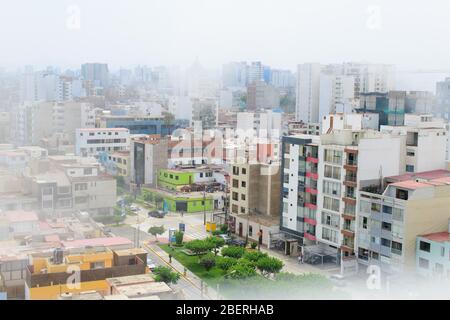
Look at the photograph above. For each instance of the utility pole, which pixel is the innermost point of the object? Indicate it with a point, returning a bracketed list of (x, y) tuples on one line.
[(204, 207)]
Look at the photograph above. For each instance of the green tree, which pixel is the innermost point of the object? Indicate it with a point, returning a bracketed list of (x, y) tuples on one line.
[(199, 247), (165, 274), (155, 231), (217, 242), (208, 261), (254, 255), (233, 251), (241, 270), (158, 200), (168, 118), (179, 237), (225, 263), (269, 265)]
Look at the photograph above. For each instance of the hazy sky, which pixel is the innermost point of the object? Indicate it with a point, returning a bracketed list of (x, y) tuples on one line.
[(281, 33)]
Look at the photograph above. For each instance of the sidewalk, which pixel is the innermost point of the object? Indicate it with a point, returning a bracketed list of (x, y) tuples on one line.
[(208, 292)]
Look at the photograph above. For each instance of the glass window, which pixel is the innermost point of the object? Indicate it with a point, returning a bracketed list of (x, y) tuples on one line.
[(425, 246)]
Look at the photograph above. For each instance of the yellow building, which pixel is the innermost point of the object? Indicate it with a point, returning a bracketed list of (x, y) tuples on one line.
[(73, 272)]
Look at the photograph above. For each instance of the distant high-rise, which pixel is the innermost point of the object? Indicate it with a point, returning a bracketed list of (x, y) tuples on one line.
[(261, 95), (308, 88), (98, 73), (234, 74), (255, 72), (443, 99)]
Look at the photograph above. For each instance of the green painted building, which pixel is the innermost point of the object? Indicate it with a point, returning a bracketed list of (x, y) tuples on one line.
[(188, 204), (174, 179)]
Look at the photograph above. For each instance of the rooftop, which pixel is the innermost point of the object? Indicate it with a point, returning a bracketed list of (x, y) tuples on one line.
[(21, 216), (101, 242), (128, 280), (438, 236), (426, 175)]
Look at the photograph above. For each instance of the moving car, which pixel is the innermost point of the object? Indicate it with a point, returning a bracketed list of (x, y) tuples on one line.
[(237, 242), (134, 208)]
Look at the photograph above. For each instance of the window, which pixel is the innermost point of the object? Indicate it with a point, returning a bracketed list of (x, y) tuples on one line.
[(331, 188), (364, 206), (397, 214), (235, 196), (438, 268), (386, 226), (364, 223), (87, 171), (243, 184), (235, 183), (331, 203), (442, 251), (250, 231), (376, 207), (332, 172), (385, 242), (243, 197), (235, 170), (424, 263), (47, 204), (330, 219), (333, 156), (330, 235), (242, 210), (409, 168), (244, 171), (47, 191), (387, 209), (425, 246), (97, 265), (80, 186), (396, 248)]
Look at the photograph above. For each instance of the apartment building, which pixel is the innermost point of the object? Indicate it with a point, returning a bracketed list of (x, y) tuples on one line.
[(432, 255), (423, 135), (389, 219), (93, 141), (254, 200), (322, 175), (67, 184), (148, 154)]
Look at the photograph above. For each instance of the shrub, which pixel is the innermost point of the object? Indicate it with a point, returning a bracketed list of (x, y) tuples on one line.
[(241, 270), (225, 263), (164, 274), (253, 245), (199, 246), (208, 261), (254, 255), (155, 231), (179, 238), (216, 243), (233, 251), (269, 265)]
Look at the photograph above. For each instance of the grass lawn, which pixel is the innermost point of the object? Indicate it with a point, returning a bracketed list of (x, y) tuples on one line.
[(191, 263)]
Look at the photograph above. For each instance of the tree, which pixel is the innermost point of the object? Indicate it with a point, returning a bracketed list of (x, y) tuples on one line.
[(241, 270), (179, 237), (199, 246), (147, 196), (233, 251), (165, 274), (208, 261), (158, 199), (117, 219), (155, 231), (269, 265), (254, 255), (217, 242), (225, 263), (168, 119)]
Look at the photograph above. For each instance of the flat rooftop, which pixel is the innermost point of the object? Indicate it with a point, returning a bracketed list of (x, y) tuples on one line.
[(129, 280), (144, 289)]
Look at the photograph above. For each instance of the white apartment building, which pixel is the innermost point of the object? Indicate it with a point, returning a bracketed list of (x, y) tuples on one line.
[(424, 142), (321, 177), (336, 92), (354, 121), (92, 141), (308, 89), (266, 124)]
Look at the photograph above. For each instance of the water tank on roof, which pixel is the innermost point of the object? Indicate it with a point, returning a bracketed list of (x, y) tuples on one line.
[(58, 256)]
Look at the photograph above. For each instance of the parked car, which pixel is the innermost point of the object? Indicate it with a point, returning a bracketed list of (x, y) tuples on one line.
[(134, 208), (237, 242), (150, 264), (156, 214), (225, 237)]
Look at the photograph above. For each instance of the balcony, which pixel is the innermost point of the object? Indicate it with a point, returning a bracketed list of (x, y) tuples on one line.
[(347, 248), (352, 166), (348, 233), (312, 175), (349, 200), (350, 180), (348, 216), (310, 221), (312, 160), (310, 236), (311, 191), (352, 151), (310, 206)]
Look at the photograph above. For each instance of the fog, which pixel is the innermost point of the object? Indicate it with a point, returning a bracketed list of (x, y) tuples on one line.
[(410, 34)]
